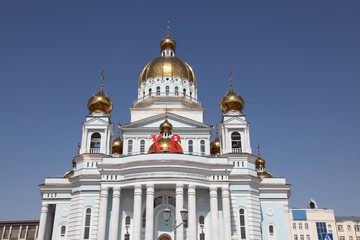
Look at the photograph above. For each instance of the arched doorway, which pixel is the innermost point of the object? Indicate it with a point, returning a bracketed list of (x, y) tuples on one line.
[(164, 237)]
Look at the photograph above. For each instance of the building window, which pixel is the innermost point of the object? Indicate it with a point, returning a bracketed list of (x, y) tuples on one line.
[(202, 236), (190, 94), (62, 231), (242, 223), (202, 146), (150, 92), (158, 91), (294, 226), (87, 224), (357, 228), (321, 228), (22, 232), (271, 230), (157, 201), (6, 233), (95, 143), (357, 238), (341, 238), (191, 147), (300, 226), (14, 233), (306, 225), (348, 228), (302, 237), (167, 90), (30, 233), (127, 236), (144, 219), (130, 146), (184, 90), (176, 91), (308, 237), (172, 201), (127, 220), (142, 146), (296, 237), (351, 238), (329, 226), (236, 142), (340, 228)]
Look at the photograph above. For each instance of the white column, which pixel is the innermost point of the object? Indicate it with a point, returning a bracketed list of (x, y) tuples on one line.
[(192, 212), (114, 223), (102, 212), (149, 229), (137, 212), (179, 207), (226, 212), (214, 213), (43, 220)]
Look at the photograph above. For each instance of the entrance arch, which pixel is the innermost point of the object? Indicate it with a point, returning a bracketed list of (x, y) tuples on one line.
[(165, 237)]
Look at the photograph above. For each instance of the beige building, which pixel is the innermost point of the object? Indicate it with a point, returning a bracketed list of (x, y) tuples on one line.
[(348, 228), (24, 230), (310, 224)]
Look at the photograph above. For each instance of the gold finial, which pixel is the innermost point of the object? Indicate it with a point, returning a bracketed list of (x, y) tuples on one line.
[(259, 150), (102, 79), (118, 128), (78, 148), (168, 30), (230, 79)]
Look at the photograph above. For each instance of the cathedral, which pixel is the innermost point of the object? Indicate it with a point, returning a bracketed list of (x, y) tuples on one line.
[(160, 177)]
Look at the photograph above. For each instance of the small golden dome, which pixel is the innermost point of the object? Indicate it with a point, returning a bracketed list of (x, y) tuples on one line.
[(166, 127), (69, 174), (231, 101), (264, 174), (260, 163), (168, 43), (100, 102), (117, 147), (73, 163), (215, 145), (165, 146)]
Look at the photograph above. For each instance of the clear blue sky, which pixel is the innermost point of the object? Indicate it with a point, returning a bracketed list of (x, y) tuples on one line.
[(295, 63)]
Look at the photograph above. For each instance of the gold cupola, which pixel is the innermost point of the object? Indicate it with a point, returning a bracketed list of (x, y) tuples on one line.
[(260, 166), (165, 141), (215, 145), (167, 64), (231, 101), (117, 147), (70, 174), (100, 102)]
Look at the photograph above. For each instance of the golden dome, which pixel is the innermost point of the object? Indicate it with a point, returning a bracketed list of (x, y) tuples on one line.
[(168, 43), (165, 127), (100, 102), (117, 147), (69, 174), (231, 101), (264, 174), (167, 66), (260, 163), (215, 145), (165, 146)]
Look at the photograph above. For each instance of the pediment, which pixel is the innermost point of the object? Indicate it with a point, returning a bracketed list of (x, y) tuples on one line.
[(235, 120), (176, 120), (95, 122)]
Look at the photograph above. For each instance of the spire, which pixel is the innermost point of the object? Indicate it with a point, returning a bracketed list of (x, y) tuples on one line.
[(168, 30), (230, 90), (102, 80)]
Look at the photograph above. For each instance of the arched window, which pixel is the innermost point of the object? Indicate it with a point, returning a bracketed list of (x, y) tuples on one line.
[(130, 146), (201, 220), (242, 224), (184, 90), (157, 90), (201, 225), (202, 146), (142, 146), (95, 143), (271, 230), (236, 142), (191, 147), (348, 227), (150, 92), (167, 90), (329, 226), (127, 220), (62, 231), (87, 223), (176, 91)]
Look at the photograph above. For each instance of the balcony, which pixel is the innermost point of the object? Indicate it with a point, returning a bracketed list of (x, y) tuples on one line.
[(94, 150), (167, 94), (236, 150)]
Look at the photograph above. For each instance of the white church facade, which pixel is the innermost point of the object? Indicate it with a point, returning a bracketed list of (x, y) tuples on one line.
[(180, 185)]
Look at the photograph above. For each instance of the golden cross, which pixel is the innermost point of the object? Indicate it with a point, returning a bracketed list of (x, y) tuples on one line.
[(102, 79), (230, 77), (259, 149), (168, 30)]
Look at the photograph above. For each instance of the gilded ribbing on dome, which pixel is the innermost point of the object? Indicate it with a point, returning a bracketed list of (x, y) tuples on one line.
[(100, 102), (231, 101)]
